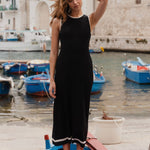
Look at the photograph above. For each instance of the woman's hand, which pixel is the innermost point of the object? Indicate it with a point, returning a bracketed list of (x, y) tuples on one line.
[(52, 89)]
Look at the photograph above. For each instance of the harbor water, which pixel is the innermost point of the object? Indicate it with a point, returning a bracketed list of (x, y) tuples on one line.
[(119, 96)]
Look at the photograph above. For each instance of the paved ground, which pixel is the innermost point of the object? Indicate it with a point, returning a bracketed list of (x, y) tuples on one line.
[(21, 136)]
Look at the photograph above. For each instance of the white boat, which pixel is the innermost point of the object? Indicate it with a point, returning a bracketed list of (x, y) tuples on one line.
[(27, 40)]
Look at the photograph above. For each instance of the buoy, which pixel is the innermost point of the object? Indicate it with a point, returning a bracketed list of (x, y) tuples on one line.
[(102, 49), (47, 142)]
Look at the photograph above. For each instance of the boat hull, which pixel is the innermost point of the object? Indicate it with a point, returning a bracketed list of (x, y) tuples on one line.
[(23, 46), (37, 85), (37, 89), (94, 51), (98, 83), (39, 67), (134, 71), (15, 68), (138, 77), (4, 88), (97, 87)]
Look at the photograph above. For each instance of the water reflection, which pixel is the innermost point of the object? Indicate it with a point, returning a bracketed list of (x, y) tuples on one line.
[(36, 101), (118, 96), (134, 88), (131, 85), (96, 97), (6, 103)]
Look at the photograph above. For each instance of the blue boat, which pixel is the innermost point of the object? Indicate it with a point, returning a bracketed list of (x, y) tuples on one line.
[(72, 147), (38, 66), (137, 71), (101, 50), (92, 143), (98, 82), (5, 85), (94, 51), (37, 85), (14, 68)]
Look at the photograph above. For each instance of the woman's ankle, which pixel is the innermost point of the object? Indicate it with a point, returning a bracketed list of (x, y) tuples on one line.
[(79, 147), (66, 146)]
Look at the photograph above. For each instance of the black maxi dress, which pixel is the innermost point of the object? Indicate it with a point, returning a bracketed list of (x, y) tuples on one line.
[(74, 79)]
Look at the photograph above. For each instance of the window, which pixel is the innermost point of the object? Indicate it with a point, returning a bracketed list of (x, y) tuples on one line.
[(1, 15), (138, 1), (0, 1), (8, 21)]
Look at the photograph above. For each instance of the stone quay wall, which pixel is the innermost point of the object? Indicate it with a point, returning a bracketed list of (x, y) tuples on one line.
[(124, 26), (129, 44)]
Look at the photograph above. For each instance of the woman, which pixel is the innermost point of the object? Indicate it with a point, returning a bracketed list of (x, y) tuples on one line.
[(73, 80)]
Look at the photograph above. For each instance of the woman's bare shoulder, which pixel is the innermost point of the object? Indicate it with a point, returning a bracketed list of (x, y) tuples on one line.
[(56, 22)]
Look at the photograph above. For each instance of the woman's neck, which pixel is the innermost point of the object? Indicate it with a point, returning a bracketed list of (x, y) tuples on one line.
[(76, 14)]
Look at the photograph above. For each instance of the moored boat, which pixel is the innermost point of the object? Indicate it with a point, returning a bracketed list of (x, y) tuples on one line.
[(37, 85), (14, 68), (137, 71), (92, 50), (95, 51), (98, 82), (38, 66), (27, 40), (5, 85)]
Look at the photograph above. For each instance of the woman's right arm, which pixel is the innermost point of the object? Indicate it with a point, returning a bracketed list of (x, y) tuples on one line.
[(54, 55)]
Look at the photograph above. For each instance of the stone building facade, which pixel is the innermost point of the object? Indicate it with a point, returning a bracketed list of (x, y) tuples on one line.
[(24, 14), (124, 26)]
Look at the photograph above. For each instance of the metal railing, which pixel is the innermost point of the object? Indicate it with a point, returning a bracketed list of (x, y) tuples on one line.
[(3, 8), (11, 7)]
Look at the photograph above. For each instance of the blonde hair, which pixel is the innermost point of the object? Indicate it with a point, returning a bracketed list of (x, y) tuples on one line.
[(60, 10)]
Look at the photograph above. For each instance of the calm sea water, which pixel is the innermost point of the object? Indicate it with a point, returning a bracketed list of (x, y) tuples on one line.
[(119, 97)]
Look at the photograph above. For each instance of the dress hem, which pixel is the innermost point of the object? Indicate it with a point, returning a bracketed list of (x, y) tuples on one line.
[(68, 140)]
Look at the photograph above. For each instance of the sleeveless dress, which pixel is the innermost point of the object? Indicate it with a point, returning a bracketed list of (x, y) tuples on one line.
[(74, 79)]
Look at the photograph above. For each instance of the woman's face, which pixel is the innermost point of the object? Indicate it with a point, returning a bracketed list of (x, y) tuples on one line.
[(75, 5)]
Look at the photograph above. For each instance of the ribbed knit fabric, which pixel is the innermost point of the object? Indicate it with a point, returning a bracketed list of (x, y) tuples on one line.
[(74, 78)]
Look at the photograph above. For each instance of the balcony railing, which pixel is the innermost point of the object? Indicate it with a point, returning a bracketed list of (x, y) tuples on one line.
[(3, 8), (11, 7)]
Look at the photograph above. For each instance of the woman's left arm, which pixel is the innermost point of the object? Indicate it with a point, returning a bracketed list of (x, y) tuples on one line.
[(95, 16)]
